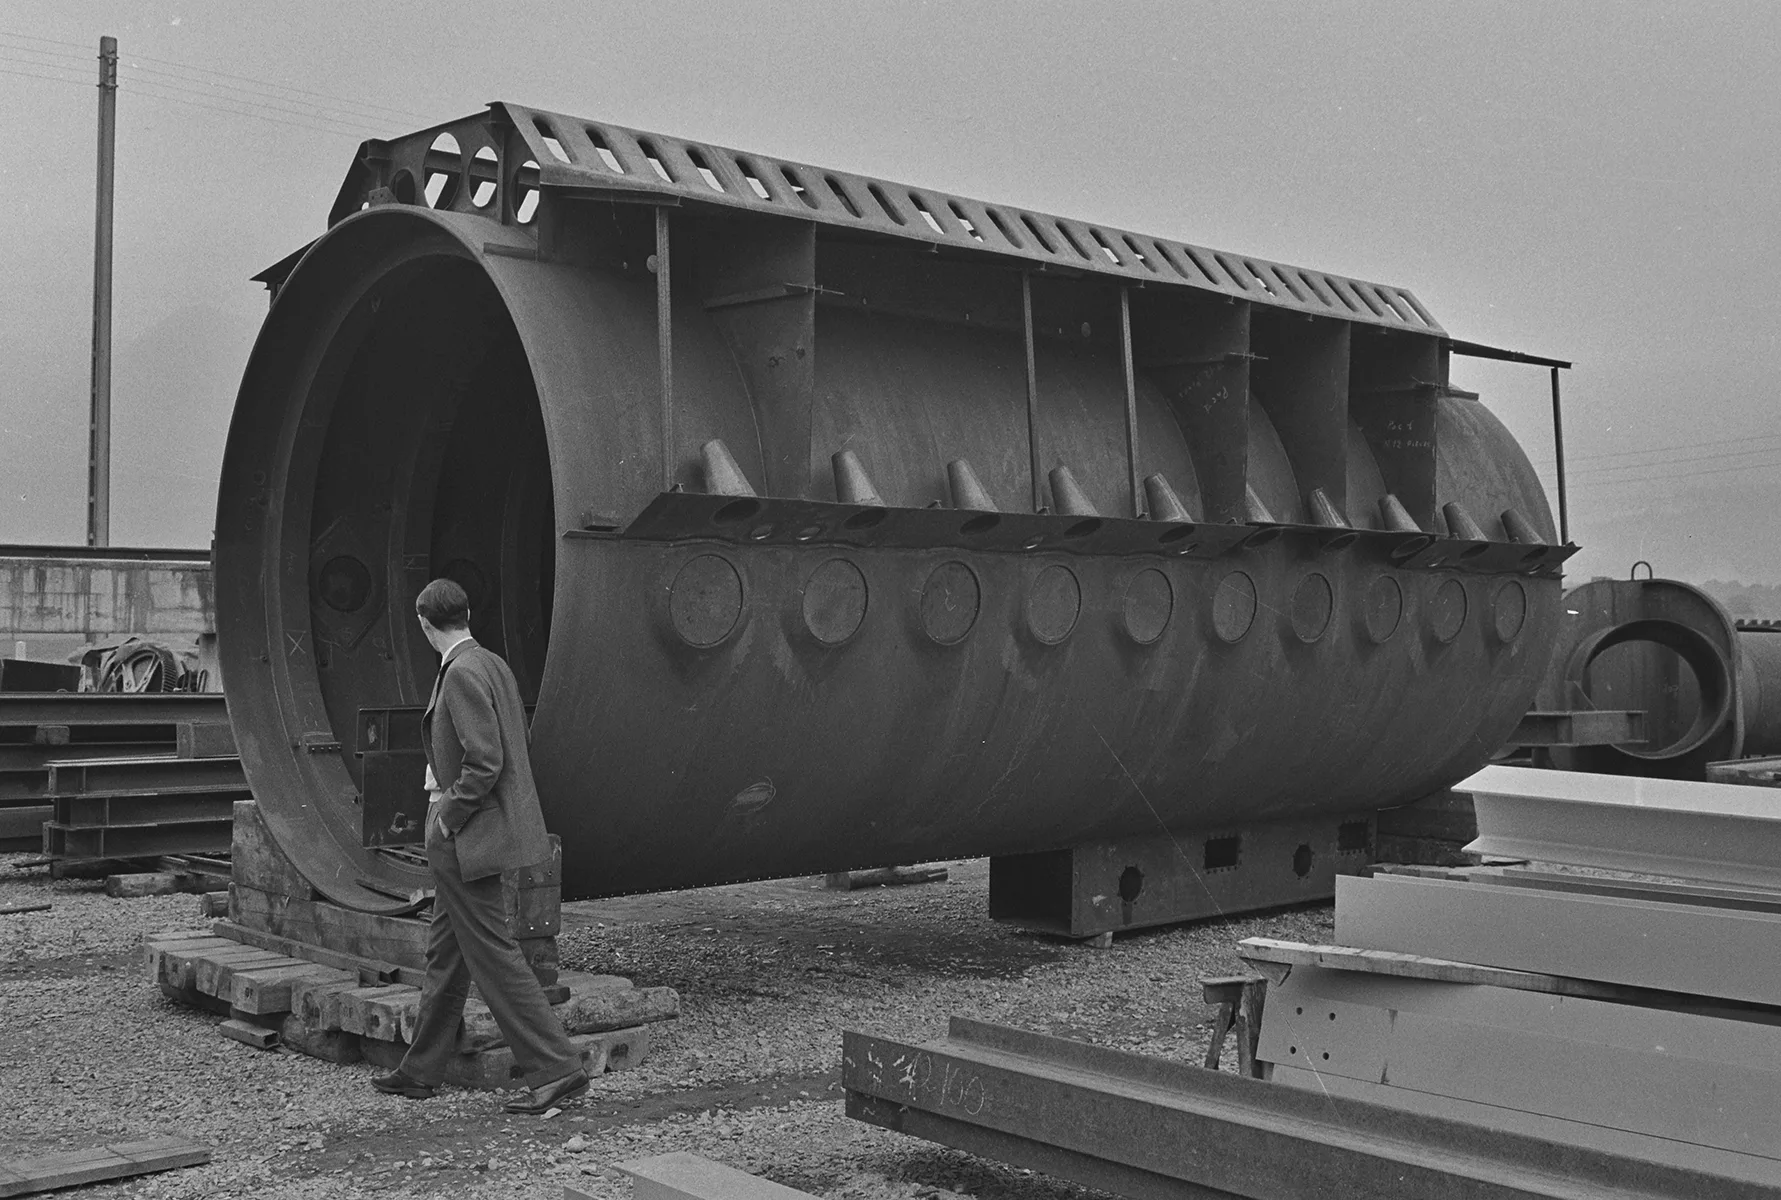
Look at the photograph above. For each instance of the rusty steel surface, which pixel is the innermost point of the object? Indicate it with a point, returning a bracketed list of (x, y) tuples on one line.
[(1710, 686), (1150, 1127), (822, 540)]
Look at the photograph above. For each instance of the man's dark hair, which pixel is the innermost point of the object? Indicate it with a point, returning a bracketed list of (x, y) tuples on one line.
[(444, 605)]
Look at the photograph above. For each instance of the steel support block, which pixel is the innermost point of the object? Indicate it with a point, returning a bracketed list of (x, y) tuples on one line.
[(1134, 883)]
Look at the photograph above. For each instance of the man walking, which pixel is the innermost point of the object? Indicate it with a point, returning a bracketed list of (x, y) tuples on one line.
[(483, 819)]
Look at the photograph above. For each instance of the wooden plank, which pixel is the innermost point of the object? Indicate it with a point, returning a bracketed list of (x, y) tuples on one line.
[(400, 940), (1722, 953), (1699, 1080), (216, 968), (131, 887), (495, 1069), (376, 1012), (257, 862), (371, 970), (120, 1160), (31, 906), (596, 1003), (267, 992), (685, 1176), (247, 1034)]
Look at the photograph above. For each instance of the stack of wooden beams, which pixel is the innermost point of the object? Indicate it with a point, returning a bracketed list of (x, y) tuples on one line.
[(346, 1009), (1618, 989)]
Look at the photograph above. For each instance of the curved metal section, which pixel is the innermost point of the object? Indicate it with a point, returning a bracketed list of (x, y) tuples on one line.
[(1667, 649)]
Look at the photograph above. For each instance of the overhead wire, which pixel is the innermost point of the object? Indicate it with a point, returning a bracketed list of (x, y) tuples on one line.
[(205, 83)]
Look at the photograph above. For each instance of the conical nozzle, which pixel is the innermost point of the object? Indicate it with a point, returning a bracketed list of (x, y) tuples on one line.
[(1324, 511), (1520, 530), (852, 484), (722, 476), (1165, 505), (1258, 512), (1461, 525), (1067, 495), (967, 491), (1396, 517)]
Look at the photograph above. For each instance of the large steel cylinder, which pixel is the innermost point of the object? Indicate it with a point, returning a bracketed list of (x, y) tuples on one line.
[(1709, 686), (752, 471)]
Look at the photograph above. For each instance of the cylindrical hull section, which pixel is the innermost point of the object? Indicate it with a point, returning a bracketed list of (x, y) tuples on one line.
[(429, 398)]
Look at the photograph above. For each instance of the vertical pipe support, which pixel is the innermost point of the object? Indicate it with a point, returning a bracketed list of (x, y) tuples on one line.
[(1026, 321), (1131, 401), (99, 409), (665, 346), (1558, 451)]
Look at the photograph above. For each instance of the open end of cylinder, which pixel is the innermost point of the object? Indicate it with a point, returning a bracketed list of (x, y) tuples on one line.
[(1634, 664), (411, 443)]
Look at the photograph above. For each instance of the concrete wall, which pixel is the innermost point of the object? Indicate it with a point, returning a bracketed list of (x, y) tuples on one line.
[(57, 600)]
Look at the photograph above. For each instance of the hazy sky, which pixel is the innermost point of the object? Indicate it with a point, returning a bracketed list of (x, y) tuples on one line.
[(1592, 181)]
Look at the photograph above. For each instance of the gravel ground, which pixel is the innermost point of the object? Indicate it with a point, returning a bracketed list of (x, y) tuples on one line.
[(769, 975)]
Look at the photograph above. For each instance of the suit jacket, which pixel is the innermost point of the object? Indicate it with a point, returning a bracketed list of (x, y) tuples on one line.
[(475, 735)]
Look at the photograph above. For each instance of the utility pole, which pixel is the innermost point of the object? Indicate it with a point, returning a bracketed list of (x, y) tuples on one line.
[(99, 423)]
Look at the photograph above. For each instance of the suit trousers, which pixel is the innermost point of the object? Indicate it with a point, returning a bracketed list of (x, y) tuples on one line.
[(470, 940)]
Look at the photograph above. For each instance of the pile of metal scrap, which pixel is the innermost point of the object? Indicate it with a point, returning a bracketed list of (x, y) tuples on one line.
[(93, 775), (1599, 1016)]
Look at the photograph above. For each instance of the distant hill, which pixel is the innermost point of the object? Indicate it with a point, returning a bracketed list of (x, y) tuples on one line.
[(1746, 599)]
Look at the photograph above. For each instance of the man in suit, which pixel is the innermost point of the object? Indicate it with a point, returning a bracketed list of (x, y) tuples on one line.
[(483, 819)]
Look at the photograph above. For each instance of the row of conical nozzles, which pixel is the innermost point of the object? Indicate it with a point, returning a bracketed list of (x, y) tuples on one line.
[(724, 477)]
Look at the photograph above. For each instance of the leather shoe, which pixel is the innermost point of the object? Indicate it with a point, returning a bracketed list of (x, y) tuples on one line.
[(398, 1084), (545, 1097)]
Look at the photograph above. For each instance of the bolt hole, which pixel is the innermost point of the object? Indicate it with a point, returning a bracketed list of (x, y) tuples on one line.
[(1131, 883), (736, 510), (807, 533), (761, 533), (1083, 528), (1176, 534), (1260, 537), (980, 524), (1326, 1056), (1032, 543), (1222, 852), (1473, 551), (865, 519), (1411, 546), (1535, 555)]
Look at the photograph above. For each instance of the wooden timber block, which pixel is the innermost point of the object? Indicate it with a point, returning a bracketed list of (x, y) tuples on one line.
[(848, 881), (214, 904), (156, 946), (257, 862), (318, 1003), (596, 1003), (76, 1168), (399, 940), (267, 991), (215, 968), (374, 1012), (180, 967), (371, 970), (329, 1045), (131, 887), (259, 1037), (495, 1070), (685, 1176), (193, 998)]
